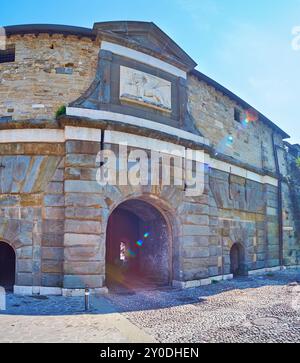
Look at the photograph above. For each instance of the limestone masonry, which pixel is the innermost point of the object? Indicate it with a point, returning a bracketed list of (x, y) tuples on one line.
[(61, 232)]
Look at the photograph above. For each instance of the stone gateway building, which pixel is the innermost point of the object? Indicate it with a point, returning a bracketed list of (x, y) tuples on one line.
[(68, 93)]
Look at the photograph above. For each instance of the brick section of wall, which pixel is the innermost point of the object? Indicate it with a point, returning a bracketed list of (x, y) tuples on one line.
[(33, 87), (213, 114)]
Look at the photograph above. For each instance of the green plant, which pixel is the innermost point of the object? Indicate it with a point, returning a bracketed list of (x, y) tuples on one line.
[(298, 162), (61, 111)]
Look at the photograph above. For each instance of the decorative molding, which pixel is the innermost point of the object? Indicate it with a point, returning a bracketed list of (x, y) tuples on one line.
[(116, 137), (32, 135), (143, 58), (136, 121), (91, 134), (82, 133)]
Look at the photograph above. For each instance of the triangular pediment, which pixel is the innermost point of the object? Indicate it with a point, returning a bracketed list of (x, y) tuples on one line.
[(145, 37)]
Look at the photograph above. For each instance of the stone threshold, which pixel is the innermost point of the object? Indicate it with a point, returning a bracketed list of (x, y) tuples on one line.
[(266, 270), (56, 291), (202, 282), (211, 280)]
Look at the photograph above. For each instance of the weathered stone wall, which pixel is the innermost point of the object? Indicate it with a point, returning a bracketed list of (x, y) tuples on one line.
[(213, 114), (26, 221), (85, 211), (242, 212), (291, 209), (49, 71), (55, 215)]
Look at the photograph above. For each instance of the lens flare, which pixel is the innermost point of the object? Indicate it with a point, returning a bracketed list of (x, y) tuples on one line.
[(229, 141), (251, 116), (140, 243), (131, 253), (146, 235)]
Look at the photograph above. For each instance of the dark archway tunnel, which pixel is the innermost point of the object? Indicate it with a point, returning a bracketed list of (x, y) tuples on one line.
[(7, 266), (137, 247)]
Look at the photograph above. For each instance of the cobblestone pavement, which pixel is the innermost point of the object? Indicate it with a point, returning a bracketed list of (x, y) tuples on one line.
[(256, 309)]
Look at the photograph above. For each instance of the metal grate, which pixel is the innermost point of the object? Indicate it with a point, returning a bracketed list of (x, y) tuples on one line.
[(7, 55)]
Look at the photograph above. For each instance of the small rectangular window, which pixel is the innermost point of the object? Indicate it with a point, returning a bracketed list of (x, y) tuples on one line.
[(237, 115), (8, 55)]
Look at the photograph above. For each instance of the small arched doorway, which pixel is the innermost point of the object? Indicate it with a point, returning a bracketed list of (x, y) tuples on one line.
[(237, 260), (137, 247), (7, 266)]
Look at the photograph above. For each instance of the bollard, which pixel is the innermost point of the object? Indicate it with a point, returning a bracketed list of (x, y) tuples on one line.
[(87, 299), (2, 298)]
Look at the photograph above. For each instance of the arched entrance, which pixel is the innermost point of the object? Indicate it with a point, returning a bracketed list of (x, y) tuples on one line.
[(138, 253), (7, 266), (237, 260)]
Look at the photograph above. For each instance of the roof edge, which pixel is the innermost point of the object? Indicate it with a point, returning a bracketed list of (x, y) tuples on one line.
[(49, 29)]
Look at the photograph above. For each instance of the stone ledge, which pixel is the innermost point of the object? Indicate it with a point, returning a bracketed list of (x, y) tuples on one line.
[(55, 291), (265, 270), (37, 290), (202, 282)]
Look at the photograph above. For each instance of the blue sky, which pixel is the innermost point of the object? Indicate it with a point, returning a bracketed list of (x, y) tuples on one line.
[(245, 45)]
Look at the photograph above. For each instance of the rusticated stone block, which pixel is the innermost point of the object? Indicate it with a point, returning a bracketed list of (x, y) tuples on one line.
[(58, 176), (84, 213), (189, 208), (52, 253), (25, 265), (54, 200), (85, 227), (83, 147), (52, 239), (83, 281), (44, 149), (31, 200), (196, 252), (81, 186), (54, 213), (51, 226), (24, 279), (55, 187), (52, 266), (81, 160), (194, 241), (52, 280), (192, 230), (9, 200), (72, 239), (195, 274), (87, 253), (84, 268), (198, 220), (24, 252), (12, 149), (85, 200)]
